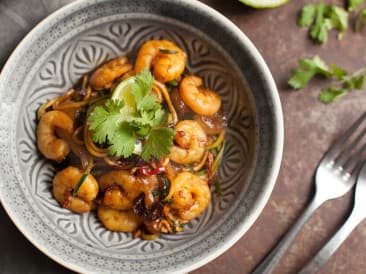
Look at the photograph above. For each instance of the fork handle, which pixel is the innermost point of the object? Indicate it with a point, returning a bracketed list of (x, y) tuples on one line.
[(333, 244), (273, 258)]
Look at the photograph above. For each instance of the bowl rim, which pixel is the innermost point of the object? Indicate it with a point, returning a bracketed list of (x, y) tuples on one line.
[(278, 132)]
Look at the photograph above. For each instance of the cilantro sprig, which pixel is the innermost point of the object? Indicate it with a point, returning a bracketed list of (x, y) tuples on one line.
[(320, 19), (120, 127), (342, 83), (309, 67), (354, 4)]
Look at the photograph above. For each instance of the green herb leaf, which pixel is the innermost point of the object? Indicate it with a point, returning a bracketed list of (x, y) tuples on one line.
[(354, 82), (118, 125), (328, 95), (300, 78), (158, 143), (353, 4), (309, 67), (319, 30), (122, 141), (105, 119), (363, 14), (315, 64), (307, 15), (338, 72), (142, 87), (338, 19), (321, 18)]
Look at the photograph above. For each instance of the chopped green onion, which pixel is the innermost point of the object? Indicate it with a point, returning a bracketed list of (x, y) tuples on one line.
[(218, 187), (168, 51), (217, 160), (78, 185), (218, 141), (201, 172), (172, 83), (165, 188)]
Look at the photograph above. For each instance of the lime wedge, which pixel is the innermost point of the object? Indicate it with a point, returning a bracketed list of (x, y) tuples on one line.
[(261, 4), (124, 92)]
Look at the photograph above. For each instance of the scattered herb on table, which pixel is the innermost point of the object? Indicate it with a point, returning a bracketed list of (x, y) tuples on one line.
[(360, 19), (320, 19), (309, 67), (354, 4), (342, 83)]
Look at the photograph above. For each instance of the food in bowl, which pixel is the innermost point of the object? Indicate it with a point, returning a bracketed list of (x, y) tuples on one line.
[(140, 144)]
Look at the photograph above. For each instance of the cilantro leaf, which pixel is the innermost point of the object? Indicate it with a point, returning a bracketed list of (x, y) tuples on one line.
[(316, 64), (104, 119), (344, 83), (354, 82), (321, 18), (319, 30), (309, 67), (360, 20), (329, 94), (148, 102), (362, 16), (338, 19), (141, 88), (307, 15), (338, 72), (122, 141), (353, 4), (118, 125), (158, 143), (300, 78)]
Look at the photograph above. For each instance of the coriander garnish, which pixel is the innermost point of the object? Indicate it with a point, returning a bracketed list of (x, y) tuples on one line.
[(343, 82), (120, 126)]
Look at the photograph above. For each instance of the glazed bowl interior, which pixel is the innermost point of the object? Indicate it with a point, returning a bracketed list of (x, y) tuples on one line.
[(78, 38)]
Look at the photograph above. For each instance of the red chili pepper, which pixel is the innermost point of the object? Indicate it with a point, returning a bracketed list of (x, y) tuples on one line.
[(146, 171)]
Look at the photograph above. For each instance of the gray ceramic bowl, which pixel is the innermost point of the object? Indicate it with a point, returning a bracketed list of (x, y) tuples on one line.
[(73, 41)]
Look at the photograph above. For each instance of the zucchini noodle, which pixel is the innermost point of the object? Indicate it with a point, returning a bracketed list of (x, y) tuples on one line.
[(91, 147), (163, 90)]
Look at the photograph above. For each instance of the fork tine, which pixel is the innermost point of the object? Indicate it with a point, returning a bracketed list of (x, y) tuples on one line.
[(354, 160), (334, 149), (345, 154)]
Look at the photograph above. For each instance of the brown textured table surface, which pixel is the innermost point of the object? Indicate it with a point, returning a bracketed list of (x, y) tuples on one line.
[(310, 127)]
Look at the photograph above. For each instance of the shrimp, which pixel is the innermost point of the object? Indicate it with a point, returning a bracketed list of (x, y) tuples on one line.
[(202, 101), (106, 74), (48, 143), (118, 220), (168, 61), (190, 195), (191, 141), (64, 183), (121, 189)]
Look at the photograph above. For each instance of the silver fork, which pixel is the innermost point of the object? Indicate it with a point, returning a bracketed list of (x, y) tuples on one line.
[(335, 176), (357, 215)]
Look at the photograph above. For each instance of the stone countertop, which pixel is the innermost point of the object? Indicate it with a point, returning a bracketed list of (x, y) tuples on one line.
[(310, 128)]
